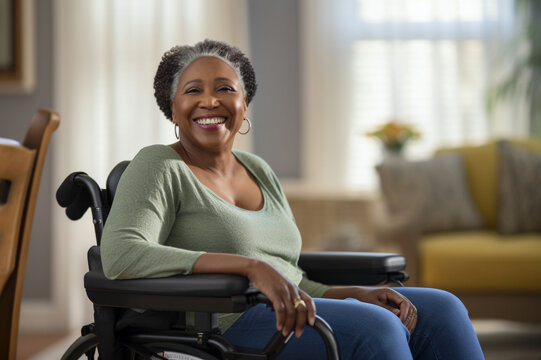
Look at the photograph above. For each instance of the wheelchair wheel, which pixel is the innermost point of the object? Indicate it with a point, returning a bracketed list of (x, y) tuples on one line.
[(84, 346), (179, 351)]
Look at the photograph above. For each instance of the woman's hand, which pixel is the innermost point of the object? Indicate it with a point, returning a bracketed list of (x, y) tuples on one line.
[(394, 302), (283, 293), (387, 298)]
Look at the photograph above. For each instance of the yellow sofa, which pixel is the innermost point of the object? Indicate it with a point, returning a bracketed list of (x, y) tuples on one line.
[(496, 275)]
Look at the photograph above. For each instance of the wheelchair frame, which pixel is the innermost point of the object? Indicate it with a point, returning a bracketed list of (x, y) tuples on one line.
[(203, 294)]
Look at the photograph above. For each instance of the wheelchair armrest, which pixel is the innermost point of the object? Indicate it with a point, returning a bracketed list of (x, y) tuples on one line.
[(196, 292), (352, 268)]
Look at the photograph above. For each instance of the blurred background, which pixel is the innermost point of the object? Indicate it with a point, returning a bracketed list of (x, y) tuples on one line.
[(330, 74)]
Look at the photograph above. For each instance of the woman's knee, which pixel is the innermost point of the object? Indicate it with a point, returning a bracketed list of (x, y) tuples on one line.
[(386, 324), (447, 301), (368, 328), (434, 301), (385, 337), (354, 313)]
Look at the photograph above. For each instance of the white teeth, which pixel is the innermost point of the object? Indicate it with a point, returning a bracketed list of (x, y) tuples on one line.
[(209, 121)]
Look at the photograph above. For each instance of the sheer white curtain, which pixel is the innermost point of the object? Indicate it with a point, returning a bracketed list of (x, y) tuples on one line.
[(427, 62), (106, 55)]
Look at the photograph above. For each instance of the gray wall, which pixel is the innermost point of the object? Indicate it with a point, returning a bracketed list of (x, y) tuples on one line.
[(15, 114), (274, 42), (275, 54)]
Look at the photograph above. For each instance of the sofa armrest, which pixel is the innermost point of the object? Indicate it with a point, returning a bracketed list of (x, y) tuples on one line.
[(400, 231), (395, 228), (353, 268)]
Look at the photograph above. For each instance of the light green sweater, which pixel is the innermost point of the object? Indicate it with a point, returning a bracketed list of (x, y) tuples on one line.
[(163, 218)]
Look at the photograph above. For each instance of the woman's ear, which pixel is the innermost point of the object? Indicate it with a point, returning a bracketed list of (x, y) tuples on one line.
[(245, 108)]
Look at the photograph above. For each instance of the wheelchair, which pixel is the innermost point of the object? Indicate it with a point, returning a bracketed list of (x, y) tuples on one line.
[(195, 299)]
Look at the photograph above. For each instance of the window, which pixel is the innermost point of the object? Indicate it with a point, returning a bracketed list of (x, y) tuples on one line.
[(425, 62)]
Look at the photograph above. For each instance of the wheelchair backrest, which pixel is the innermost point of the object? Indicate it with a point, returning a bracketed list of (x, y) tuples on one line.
[(113, 179)]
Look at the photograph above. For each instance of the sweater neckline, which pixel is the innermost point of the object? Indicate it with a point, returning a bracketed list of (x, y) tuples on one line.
[(216, 196)]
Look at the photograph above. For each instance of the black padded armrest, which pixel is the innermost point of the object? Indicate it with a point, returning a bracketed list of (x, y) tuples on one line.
[(233, 293), (197, 292), (351, 268)]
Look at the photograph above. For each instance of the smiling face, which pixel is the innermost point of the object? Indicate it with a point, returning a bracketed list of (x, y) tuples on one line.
[(209, 105)]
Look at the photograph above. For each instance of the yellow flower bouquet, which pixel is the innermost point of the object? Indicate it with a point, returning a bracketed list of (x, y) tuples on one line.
[(394, 134)]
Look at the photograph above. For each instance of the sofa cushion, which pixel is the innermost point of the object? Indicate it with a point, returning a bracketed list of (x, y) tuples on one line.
[(481, 163), (519, 194), (482, 169), (481, 261), (435, 190)]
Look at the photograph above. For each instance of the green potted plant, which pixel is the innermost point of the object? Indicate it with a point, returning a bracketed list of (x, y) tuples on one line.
[(524, 79)]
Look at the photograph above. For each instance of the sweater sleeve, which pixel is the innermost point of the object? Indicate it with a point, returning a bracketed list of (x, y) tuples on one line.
[(139, 223)]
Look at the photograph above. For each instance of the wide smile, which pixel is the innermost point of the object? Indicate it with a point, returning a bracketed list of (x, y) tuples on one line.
[(210, 123)]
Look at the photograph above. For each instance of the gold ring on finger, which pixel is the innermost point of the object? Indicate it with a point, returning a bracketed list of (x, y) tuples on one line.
[(298, 302)]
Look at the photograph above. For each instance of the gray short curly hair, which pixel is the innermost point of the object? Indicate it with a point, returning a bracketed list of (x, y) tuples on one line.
[(176, 60)]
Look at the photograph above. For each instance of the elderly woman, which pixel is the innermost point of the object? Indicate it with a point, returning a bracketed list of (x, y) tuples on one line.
[(197, 206)]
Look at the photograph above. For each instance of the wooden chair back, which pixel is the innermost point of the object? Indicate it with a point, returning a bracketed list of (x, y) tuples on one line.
[(20, 174)]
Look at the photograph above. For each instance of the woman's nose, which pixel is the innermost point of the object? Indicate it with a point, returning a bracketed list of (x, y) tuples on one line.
[(209, 101)]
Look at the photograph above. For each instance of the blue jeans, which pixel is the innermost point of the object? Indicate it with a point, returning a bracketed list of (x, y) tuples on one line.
[(366, 331)]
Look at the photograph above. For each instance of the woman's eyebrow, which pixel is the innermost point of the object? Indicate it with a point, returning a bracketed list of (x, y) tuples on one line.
[(192, 81), (222, 79)]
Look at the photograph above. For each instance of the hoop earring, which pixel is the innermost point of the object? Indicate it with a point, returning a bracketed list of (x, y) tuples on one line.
[(249, 127), (175, 127)]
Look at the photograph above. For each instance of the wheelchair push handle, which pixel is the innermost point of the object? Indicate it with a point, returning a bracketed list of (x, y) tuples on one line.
[(77, 193), (68, 190)]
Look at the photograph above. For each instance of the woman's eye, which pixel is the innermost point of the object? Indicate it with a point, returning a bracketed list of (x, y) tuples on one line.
[(192, 91), (225, 88)]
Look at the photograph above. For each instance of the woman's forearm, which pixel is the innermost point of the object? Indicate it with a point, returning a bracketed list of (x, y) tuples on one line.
[(343, 292), (216, 263)]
